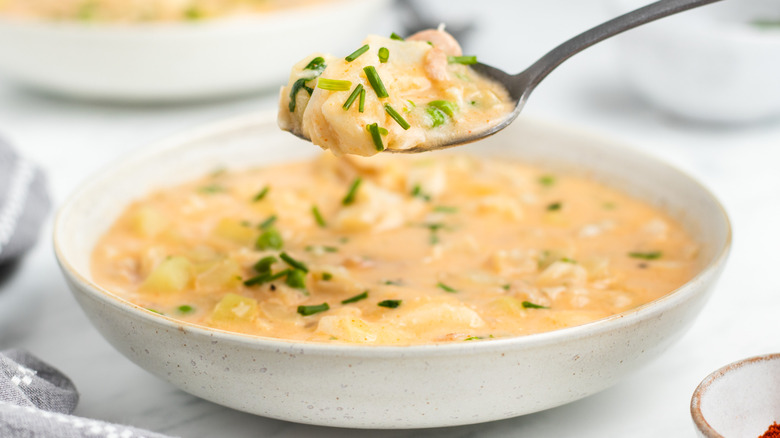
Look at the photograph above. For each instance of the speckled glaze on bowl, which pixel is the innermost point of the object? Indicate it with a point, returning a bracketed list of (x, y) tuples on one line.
[(738, 400), (388, 386)]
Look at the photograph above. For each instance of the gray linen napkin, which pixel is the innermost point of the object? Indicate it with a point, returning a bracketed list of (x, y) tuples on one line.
[(24, 203), (35, 400)]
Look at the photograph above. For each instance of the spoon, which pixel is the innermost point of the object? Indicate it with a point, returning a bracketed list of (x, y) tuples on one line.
[(522, 84)]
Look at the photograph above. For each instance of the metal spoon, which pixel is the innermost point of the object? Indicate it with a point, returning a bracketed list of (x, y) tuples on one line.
[(522, 84)]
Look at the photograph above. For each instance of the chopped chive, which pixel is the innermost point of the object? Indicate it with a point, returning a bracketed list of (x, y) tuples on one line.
[(376, 136), (317, 64), (318, 217), (185, 309), (362, 101), (473, 338), (436, 116), (324, 248), (446, 106), (466, 60), (506, 286), (280, 274), (652, 255), (397, 117), (293, 263), (296, 279), (417, 192), (270, 239), (530, 305), (211, 189), (384, 54), (375, 81), (353, 96), (393, 282), (356, 298), (356, 54), (352, 193), (555, 206), (446, 288), (395, 36), (268, 222), (296, 87), (258, 280), (382, 130), (547, 180), (261, 194), (390, 304), (568, 260), (263, 266), (445, 209), (311, 310), (155, 311), (333, 84), (327, 276)]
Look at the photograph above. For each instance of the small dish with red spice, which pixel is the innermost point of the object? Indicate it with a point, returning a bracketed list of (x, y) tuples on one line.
[(740, 400)]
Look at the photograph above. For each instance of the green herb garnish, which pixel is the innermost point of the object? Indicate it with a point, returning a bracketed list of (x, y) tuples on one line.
[(446, 288), (417, 192), (375, 81), (395, 36), (445, 209), (322, 247), (327, 276), (268, 222), (362, 101), (211, 189), (473, 338), (318, 217), (445, 106), (555, 206), (652, 255), (270, 239), (393, 282), (547, 180), (356, 298), (185, 309), (263, 266), (311, 310), (530, 305), (397, 117), (436, 116), (352, 193), (466, 60), (356, 54), (296, 87), (317, 65), (261, 194), (376, 136), (390, 304), (353, 96), (384, 54), (296, 279), (295, 264), (333, 84)]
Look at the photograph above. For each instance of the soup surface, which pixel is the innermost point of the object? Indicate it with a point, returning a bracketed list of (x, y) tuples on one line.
[(392, 250), (142, 10), (391, 94)]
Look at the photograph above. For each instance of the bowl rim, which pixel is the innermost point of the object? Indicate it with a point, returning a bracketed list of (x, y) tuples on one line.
[(698, 417), (249, 20), (534, 340)]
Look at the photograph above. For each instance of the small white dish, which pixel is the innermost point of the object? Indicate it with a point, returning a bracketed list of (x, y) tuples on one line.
[(738, 400), (165, 62), (389, 386), (711, 64)]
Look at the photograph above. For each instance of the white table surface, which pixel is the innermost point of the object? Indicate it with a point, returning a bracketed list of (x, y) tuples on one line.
[(72, 140)]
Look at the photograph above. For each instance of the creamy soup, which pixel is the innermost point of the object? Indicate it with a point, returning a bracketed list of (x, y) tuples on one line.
[(392, 250), (142, 10), (390, 94)]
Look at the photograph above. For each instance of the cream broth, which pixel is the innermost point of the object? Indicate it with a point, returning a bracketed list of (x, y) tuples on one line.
[(411, 92), (392, 250)]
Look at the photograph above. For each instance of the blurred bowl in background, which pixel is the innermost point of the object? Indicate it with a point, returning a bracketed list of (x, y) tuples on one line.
[(719, 63), (177, 61), (738, 400)]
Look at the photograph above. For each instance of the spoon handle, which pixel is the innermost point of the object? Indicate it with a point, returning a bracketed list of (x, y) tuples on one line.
[(541, 68)]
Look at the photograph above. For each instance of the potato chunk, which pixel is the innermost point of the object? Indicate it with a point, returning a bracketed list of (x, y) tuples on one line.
[(234, 308), (173, 274)]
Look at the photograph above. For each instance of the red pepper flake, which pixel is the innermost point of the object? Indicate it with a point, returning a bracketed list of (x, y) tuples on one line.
[(772, 432)]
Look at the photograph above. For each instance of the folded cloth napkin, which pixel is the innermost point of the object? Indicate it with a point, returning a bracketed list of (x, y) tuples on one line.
[(24, 203), (35, 400)]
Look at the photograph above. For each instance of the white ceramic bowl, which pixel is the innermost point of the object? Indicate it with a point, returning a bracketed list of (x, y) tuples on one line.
[(709, 64), (388, 386), (163, 62), (738, 400)]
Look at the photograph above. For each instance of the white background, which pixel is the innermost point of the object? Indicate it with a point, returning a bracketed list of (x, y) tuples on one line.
[(72, 140)]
